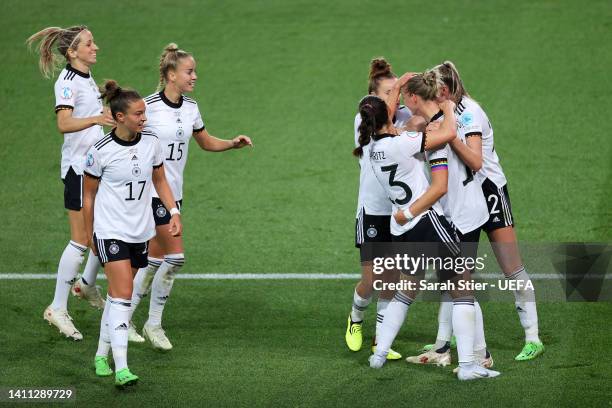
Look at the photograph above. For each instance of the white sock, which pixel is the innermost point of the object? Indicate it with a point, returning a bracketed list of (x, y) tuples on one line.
[(445, 321), (526, 306), (381, 307), (118, 323), (67, 271), (92, 266), (359, 306), (463, 327), (395, 314), (143, 281), (104, 340), (162, 285), (480, 344)]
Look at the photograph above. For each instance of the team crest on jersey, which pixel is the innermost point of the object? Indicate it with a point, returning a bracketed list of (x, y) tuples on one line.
[(179, 132), (113, 249), (372, 232), (90, 160), (66, 93), (136, 171), (467, 118), (160, 212)]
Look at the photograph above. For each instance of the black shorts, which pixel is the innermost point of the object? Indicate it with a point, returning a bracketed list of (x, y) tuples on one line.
[(434, 237), (110, 250), (469, 243), (161, 213), (73, 190), (498, 202), (370, 229)]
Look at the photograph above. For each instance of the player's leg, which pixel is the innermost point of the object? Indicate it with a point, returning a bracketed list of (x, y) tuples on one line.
[(501, 233), (72, 258), (384, 298), (174, 259)]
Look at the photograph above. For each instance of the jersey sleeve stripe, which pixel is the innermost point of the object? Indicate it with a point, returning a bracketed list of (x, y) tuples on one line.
[(104, 144), (199, 129), (91, 175), (473, 134), (159, 165), (423, 139), (104, 139), (63, 107)]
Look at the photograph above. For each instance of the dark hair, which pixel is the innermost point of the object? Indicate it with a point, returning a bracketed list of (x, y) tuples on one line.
[(379, 69), (374, 116), (450, 76), (116, 97)]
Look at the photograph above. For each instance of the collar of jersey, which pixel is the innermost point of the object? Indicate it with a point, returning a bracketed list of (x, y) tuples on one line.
[(123, 142), (382, 136), (169, 102), (76, 71), (436, 116)]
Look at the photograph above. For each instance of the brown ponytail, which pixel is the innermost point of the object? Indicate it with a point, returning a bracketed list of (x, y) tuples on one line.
[(379, 69), (66, 39), (116, 97), (374, 116)]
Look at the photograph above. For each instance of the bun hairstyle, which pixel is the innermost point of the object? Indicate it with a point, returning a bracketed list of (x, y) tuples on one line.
[(169, 60), (374, 116), (426, 85), (450, 76), (66, 39), (117, 98), (379, 69)]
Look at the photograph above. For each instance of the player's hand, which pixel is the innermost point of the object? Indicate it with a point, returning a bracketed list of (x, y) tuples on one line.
[(241, 141), (106, 119), (393, 130), (432, 126), (447, 105), (176, 227), (405, 78), (400, 218)]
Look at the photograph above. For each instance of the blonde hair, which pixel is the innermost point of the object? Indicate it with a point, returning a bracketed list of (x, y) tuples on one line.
[(450, 76), (66, 39), (169, 60), (426, 85)]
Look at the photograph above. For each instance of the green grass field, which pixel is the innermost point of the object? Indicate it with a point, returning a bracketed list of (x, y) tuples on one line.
[(290, 74)]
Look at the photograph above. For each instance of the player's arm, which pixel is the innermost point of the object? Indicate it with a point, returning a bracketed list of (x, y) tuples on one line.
[(447, 131), (90, 188), (437, 188), (68, 124), (470, 152), (167, 198), (395, 93), (213, 144)]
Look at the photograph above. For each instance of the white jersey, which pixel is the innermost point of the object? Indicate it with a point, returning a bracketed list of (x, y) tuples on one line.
[(397, 162), (77, 91), (464, 203), (473, 119), (372, 197), (174, 124), (123, 202)]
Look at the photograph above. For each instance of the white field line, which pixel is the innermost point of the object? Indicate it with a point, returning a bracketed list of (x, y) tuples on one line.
[(277, 276)]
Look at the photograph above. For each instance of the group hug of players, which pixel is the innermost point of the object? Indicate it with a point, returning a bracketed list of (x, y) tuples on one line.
[(123, 189), (429, 173)]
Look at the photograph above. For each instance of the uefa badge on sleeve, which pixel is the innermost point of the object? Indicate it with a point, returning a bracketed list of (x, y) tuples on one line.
[(90, 160), (66, 93)]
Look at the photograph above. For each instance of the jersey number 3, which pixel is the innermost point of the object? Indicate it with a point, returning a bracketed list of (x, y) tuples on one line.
[(392, 182)]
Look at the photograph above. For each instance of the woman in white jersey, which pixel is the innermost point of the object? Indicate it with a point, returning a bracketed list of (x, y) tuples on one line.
[(482, 158), (373, 214), (80, 117), (174, 118), (121, 170), (418, 218)]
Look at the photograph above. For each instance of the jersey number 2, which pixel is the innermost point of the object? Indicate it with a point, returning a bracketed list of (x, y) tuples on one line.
[(131, 196), (392, 182)]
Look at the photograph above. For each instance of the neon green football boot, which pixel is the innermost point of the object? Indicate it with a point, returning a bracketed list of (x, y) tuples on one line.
[(453, 344), (530, 351), (353, 337), (102, 367), (391, 355), (124, 378)]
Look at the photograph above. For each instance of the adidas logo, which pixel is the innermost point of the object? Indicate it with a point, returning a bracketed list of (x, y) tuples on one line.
[(134, 157), (496, 219), (122, 326)]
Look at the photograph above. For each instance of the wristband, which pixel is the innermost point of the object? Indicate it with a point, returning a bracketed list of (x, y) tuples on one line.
[(408, 214), (174, 211)]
